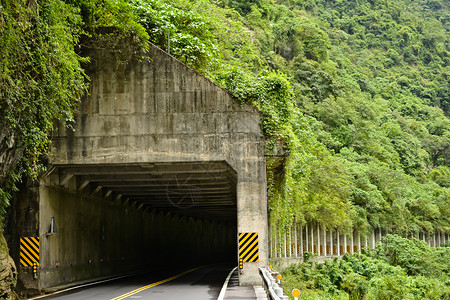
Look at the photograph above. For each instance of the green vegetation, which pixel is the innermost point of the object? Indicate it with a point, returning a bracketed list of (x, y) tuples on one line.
[(358, 95), (397, 268), (370, 141), (41, 77), (357, 92)]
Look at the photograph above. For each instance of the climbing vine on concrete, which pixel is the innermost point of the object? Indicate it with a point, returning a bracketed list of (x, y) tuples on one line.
[(41, 74), (313, 186)]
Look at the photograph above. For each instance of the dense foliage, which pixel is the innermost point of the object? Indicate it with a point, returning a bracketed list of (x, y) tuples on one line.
[(357, 92), (370, 83), (41, 74), (397, 268), (358, 95)]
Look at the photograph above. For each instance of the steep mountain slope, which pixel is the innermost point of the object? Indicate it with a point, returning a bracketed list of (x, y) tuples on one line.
[(356, 91)]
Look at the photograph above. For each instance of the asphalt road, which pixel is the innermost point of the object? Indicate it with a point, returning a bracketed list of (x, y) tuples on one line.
[(188, 283)]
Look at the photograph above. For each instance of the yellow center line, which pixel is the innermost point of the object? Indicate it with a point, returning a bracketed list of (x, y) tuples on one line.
[(153, 284)]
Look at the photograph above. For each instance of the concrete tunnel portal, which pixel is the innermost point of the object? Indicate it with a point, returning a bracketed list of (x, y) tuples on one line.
[(112, 219), (163, 167), (205, 190)]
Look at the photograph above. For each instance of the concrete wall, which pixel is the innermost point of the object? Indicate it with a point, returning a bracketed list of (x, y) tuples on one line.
[(159, 110), (22, 220), (99, 237)]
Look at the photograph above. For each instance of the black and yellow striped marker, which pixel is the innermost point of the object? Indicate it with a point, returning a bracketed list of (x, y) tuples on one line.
[(248, 247), (35, 269), (29, 251)]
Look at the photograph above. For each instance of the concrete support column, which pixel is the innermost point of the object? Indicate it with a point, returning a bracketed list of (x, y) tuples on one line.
[(365, 242), (319, 241), (301, 241), (284, 245), (290, 241), (275, 242), (270, 241), (324, 247), (338, 243), (345, 244), (439, 238), (434, 239), (312, 239), (306, 238), (252, 217), (331, 243), (295, 241), (372, 239), (359, 242), (352, 243)]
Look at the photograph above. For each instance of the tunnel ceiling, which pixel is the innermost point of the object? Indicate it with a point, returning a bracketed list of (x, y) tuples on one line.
[(204, 190)]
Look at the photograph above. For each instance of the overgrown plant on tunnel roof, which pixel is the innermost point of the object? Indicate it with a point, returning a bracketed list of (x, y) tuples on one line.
[(358, 94), (41, 74), (313, 186)]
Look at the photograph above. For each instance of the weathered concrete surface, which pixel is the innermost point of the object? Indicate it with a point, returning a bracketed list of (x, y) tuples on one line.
[(97, 236), (153, 111)]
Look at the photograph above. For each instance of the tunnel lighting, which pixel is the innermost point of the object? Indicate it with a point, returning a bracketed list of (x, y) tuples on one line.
[(52, 228)]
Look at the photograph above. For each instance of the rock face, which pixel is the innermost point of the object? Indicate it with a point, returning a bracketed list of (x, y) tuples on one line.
[(10, 152), (8, 271)]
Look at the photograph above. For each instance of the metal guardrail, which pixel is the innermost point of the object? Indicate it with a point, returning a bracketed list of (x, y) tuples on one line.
[(273, 289)]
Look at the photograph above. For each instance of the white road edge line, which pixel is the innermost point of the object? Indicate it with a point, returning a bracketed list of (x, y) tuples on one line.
[(83, 285), (225, 285)]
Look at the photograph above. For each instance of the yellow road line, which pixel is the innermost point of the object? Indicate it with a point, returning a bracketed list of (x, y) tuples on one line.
[(153, 284)]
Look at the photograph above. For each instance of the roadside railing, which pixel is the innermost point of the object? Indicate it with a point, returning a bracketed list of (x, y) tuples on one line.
[(271, 284)]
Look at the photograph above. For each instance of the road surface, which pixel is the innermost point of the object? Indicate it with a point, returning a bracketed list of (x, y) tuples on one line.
[(189, 283)]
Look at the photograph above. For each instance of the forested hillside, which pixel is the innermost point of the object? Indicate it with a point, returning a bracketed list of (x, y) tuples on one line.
[(356, 91)]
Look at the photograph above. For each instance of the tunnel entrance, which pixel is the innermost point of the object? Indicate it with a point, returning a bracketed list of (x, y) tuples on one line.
[(101, 220), (162, 166), (205, 190)]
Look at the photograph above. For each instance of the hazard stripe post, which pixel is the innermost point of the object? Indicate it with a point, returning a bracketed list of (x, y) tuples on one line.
[(29, 251), (248, 247)]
